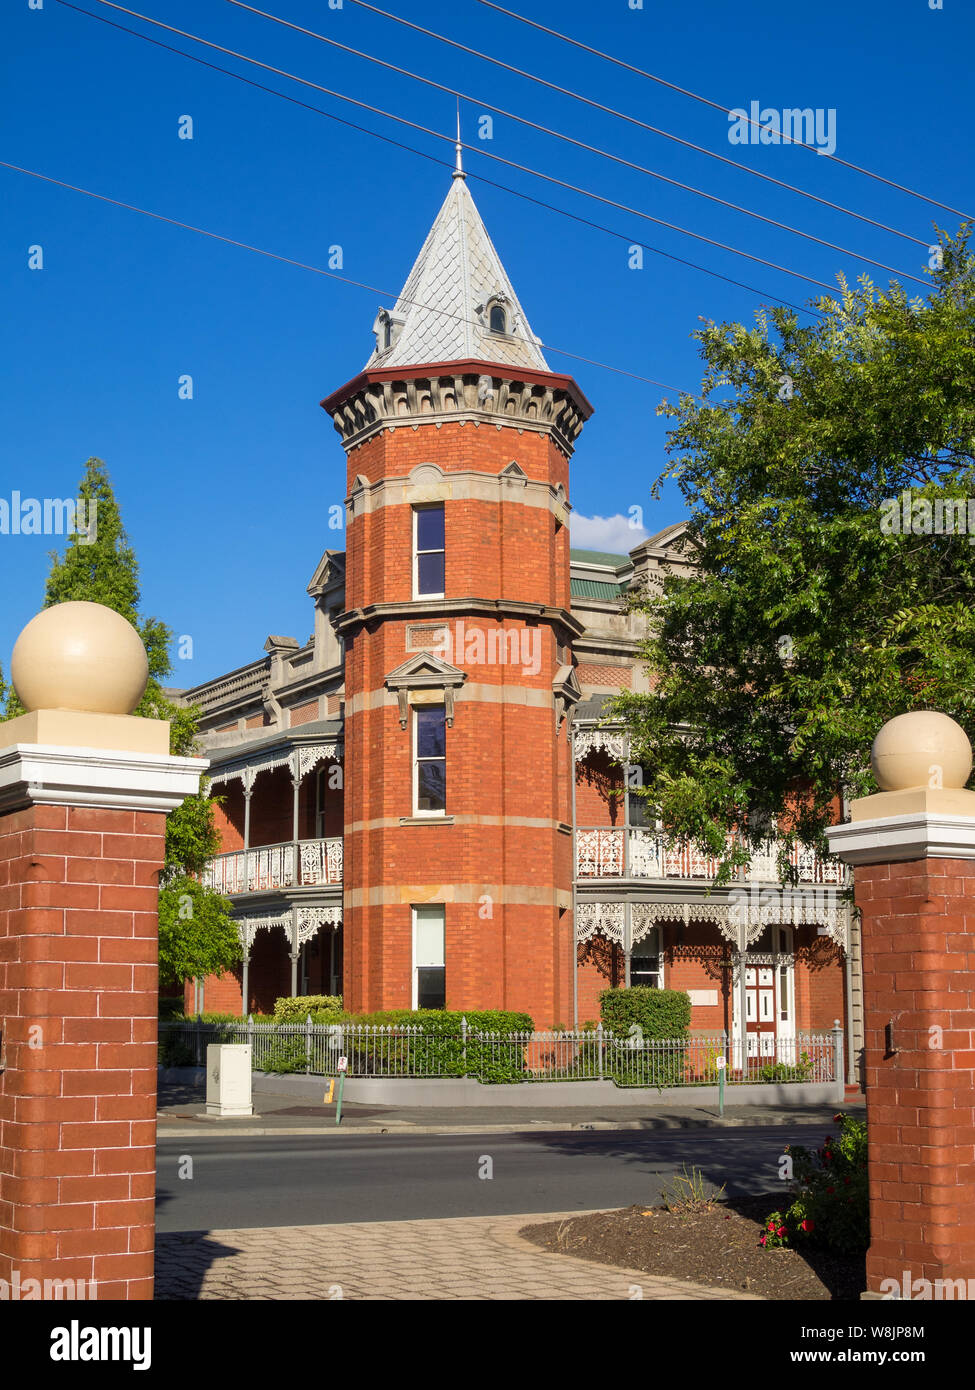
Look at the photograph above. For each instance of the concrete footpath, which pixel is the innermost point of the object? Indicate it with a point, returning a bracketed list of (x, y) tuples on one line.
[(289, 1109), (479, 1257)]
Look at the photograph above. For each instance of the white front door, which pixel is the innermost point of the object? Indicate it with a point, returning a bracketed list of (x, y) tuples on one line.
[(769, 996), (760, 1012)]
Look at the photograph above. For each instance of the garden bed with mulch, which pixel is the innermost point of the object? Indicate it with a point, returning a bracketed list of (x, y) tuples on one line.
[(717, 1246)]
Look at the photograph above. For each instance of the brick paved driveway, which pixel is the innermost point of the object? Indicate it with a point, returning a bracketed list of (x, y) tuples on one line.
[(480, 1257)]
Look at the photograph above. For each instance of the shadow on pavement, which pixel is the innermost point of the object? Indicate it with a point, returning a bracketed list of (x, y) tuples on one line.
[(182, 1262)]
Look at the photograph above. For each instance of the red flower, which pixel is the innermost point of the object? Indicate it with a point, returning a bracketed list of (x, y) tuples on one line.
[(761, 1240), (806, 1225), (831, 1190), (846, 1182), (780, 1231)]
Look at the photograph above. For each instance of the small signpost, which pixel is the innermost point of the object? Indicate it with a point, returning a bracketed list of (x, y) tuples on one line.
[(343, 1067), (720, 1066)]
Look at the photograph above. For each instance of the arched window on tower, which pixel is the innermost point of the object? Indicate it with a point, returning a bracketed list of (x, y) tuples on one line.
[(498, 320)]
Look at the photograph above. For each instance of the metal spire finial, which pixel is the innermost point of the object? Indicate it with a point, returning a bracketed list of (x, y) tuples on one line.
[(459, 164)]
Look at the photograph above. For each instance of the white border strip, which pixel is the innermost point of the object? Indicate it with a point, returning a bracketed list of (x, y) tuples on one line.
[(918, 835), (45, 774)]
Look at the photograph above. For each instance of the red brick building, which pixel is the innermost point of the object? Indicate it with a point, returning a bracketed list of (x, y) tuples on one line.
[(424, 805)]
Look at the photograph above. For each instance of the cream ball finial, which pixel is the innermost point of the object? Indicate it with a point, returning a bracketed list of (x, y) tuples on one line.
[(921, 749), (79, 656)]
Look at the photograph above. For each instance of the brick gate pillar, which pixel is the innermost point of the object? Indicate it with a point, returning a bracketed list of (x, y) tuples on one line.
[(84, 792), (913, 848)]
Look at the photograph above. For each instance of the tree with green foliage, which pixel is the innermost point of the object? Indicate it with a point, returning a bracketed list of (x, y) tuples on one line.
[(814, 614), (196, 933)]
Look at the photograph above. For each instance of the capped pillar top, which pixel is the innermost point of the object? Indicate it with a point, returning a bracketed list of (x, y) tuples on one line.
[(921, 749), (922, 760), (80, 669), (80, 656)]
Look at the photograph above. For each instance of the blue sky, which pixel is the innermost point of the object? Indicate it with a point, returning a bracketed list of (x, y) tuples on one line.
[(226, 496)]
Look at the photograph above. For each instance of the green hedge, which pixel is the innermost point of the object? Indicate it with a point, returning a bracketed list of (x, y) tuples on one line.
[(439, 1050), (449, 1020), (649, 1015), (212, 1017), (178, 1050), (295, 1008), (659, 1013)]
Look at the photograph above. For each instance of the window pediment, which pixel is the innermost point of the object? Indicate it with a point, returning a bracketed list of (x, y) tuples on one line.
[(428, 674)]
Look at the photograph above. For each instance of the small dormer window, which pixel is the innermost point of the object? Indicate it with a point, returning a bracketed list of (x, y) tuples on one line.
[(498, 320), (386, 328)]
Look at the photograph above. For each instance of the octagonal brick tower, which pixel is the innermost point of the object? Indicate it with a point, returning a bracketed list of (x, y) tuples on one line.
[(459, 680)]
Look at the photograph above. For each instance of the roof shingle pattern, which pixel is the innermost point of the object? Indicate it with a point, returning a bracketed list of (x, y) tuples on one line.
[(444, 301)]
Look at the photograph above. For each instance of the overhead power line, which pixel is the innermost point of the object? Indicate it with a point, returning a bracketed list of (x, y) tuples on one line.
[(319, 270), (632, 120), (717, 105), (499, 159), (560, 135), (626, 237)]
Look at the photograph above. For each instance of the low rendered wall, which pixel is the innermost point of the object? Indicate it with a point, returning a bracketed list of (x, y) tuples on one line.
[(530, 1094)]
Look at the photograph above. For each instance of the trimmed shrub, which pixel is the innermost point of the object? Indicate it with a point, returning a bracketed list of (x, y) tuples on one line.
[(212, 1017), (448, 1020), (439, 1049), (641, 1015), (787, 1071), (295, 1008), (285, 1055), (174, 1052), (659, 1013)]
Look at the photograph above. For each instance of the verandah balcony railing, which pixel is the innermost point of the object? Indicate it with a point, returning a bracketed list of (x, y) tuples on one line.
[(602, 852), (292, 864)]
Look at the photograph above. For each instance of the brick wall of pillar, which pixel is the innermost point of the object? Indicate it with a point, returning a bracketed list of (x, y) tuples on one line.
[(919, 978), (78, 1000)]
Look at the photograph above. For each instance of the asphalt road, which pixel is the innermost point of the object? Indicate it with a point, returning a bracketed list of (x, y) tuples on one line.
[(298, 1181)]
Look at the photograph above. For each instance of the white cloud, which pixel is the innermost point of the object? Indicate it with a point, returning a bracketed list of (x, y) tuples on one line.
[(610, 533)]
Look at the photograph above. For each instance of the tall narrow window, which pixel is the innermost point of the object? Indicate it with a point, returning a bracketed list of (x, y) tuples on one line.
[(645, 961), (428, 552), (430, 760), (429, 957), (498, 321)]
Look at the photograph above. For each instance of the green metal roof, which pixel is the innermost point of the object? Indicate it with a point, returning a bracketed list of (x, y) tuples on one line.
[(594, 588), (600, 557)]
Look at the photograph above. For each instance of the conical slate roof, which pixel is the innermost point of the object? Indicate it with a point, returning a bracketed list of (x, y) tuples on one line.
[(443, 311)]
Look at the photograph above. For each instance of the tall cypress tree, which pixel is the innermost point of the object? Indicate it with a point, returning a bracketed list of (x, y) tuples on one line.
[(196, 933)]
